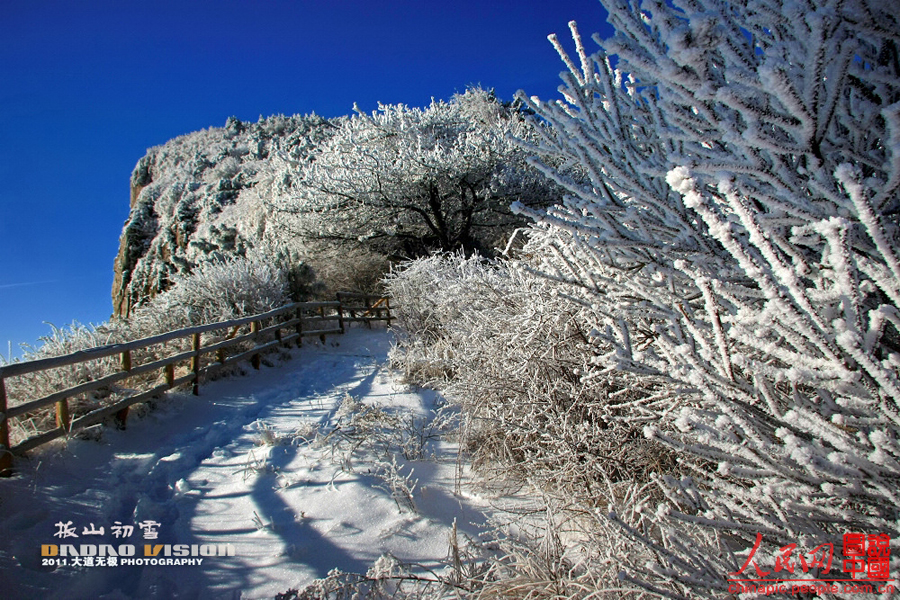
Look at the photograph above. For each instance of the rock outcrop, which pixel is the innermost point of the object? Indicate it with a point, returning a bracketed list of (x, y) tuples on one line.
[(205, 195)]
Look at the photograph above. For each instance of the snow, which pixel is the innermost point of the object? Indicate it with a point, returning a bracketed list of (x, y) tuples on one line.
[(293, 508)]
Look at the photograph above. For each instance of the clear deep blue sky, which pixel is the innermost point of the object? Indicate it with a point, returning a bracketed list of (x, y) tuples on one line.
[(87, 86)]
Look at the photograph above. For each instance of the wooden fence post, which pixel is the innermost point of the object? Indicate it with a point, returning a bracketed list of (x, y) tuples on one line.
[(340, 310), (299, 326), (5, 454), (387, 305), (195, 363), (62, 415), (122, 415), (352, 309), (170, 374), (254, 329)]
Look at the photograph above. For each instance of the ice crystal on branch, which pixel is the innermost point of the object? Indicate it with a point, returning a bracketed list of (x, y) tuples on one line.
[(728, 247), (740, 229)]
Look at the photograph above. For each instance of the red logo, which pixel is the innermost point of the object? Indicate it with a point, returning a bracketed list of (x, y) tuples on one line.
[(866, 555)]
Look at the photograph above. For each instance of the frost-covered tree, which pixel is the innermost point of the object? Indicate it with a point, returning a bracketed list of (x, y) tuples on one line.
[(407, 181), (738, 238), (734, 250)]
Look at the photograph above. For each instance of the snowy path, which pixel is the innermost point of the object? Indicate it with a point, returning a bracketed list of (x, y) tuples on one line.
[(197, 467)]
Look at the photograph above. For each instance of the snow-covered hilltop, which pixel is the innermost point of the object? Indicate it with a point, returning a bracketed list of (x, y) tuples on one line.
[(199, 195)]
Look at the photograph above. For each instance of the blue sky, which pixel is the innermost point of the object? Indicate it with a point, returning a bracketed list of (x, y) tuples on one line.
[(87, 86)]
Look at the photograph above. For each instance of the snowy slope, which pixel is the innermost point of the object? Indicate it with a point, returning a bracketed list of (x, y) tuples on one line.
[(241, 465)]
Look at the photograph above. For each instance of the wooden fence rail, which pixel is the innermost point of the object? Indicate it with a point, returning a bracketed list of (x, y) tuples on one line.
[(286, 324)]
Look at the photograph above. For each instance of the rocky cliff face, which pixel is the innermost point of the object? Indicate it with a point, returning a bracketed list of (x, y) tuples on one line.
[(205, 195)]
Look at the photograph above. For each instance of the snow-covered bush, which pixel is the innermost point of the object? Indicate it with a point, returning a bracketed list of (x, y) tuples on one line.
[(218, 290), (514, 354), (735, 249), (346, 269), (738, 239)]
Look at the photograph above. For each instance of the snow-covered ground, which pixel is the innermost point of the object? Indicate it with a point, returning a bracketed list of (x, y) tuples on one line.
[(246, 464)]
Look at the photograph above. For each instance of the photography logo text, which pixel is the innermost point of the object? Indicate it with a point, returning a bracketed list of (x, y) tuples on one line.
[(124, 552)]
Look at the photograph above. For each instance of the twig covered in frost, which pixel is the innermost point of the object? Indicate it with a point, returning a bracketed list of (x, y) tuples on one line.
[(728, 255)]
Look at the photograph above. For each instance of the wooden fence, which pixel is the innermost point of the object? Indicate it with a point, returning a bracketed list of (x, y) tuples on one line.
[(279, 327)]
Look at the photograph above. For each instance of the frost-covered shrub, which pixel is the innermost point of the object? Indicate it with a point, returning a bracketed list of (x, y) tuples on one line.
[(405, 181), (736, 245), (738, 238), (346, 269), (501, 342), (218, 290)]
